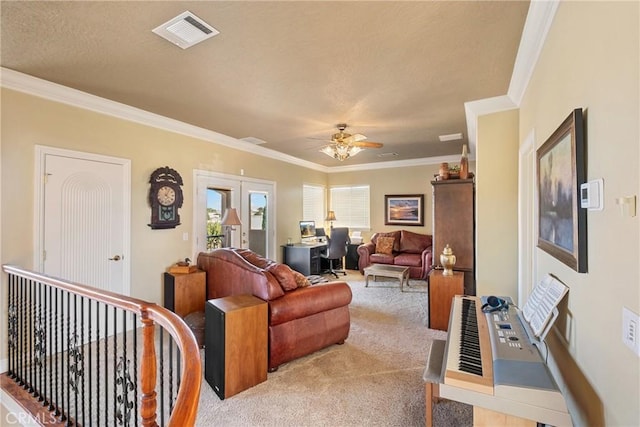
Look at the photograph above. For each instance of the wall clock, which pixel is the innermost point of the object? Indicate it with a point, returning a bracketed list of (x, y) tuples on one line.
[(165, 198)]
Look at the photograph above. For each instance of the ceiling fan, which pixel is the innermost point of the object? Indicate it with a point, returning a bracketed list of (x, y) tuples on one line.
[(344, 145)]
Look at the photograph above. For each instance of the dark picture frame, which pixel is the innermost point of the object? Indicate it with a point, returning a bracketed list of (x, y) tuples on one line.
[(404, 209), (562, 224)]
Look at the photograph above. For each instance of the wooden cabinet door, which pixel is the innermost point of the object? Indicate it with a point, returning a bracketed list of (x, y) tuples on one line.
[(454, 224)]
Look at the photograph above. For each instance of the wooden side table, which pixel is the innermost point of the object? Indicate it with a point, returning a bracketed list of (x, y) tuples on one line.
[(441, 292), (235, 351), (185, 293)]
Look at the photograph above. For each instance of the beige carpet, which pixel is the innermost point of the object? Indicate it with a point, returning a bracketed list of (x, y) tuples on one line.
[(374, 379)]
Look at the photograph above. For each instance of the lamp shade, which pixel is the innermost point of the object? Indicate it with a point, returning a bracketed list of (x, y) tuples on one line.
[(331, 216), (230, 217)]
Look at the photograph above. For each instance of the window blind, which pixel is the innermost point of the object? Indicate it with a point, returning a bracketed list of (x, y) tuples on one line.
[(351, 205), (313, 204)]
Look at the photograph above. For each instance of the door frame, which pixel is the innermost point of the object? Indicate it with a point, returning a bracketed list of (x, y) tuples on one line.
[(41, 151), (235, 184), (527, 227)]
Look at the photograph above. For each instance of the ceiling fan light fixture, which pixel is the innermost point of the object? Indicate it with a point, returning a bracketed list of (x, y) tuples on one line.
[(340, 151)]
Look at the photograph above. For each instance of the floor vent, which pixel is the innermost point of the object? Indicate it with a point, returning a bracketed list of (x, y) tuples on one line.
[(185, 30)]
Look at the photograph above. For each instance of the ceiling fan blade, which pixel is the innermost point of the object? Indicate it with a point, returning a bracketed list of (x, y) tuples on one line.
[(367, 144), (354, 138)]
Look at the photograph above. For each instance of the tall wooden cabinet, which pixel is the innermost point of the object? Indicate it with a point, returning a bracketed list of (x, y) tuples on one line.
[(454, 224)]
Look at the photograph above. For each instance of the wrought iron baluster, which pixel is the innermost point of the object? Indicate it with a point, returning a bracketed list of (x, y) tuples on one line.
[(106, 362), (12, 325), (56, 353), (89, 371), (67, 319), (115, 373), (135, 365), (51, 349), (31, 369), (23, 338), (161, 351), (170, 376)]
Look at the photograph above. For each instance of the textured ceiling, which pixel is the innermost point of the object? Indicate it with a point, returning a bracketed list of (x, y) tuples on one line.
[(284, 72)]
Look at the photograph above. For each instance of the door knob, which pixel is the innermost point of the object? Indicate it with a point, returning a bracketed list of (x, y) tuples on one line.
[(115, 258)]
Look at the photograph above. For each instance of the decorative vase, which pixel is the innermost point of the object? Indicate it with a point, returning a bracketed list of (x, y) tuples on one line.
[(444, 170), (464, 163), (448, 260)]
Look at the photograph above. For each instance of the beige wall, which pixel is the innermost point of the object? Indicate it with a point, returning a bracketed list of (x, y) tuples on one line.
[(497, 204), (406, 180), (28, 121), (591, 60)]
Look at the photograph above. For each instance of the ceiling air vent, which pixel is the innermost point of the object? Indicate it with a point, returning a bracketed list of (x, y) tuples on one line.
[(185, 30)]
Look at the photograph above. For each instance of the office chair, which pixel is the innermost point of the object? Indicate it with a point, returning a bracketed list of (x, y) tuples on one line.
[(336, 248)]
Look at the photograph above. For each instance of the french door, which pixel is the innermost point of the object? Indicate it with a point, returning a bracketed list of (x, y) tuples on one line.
[(254, 201)]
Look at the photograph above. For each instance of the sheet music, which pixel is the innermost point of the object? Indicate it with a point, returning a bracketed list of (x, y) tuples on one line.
[(538, 309)]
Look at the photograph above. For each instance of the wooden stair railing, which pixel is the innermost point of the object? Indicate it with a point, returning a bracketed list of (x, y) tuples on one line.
[(67, 367)]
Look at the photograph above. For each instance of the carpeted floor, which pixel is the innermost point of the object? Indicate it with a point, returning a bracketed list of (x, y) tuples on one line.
[(374, 379)]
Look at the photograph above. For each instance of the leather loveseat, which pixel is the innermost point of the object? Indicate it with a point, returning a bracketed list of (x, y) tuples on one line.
[(303, 318), (399, 247)]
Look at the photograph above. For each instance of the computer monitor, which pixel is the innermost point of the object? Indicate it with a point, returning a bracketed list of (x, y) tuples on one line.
[(307, 229)]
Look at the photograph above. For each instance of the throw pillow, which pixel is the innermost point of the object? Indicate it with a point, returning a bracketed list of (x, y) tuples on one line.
[(284, 275), (384, 245), (301, 279)]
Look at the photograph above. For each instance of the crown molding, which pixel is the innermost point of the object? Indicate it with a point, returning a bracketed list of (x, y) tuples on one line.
[(534, 34), (397, 164), (25, 83)]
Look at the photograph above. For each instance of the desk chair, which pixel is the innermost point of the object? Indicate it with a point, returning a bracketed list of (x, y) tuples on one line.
[(337, 248)]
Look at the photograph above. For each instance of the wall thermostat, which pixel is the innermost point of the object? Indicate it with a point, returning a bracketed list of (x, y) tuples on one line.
[(591, 195)]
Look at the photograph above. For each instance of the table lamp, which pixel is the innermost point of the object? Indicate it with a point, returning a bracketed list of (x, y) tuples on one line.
[(331, 216), (229, 219)]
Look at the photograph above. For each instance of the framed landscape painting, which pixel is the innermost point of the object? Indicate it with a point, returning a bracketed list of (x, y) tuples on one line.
[(562, 224), (404, 209)]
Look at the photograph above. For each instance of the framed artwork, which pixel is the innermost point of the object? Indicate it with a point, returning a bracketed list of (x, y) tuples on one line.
[(401, 209), (562, 224)]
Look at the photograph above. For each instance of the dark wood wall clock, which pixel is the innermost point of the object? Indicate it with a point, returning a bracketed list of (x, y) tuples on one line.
[(165, 198)]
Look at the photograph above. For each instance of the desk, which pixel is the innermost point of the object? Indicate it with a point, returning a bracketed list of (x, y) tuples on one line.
[(304, 258)]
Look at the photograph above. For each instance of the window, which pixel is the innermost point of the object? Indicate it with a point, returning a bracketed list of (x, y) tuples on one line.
[(351, 206), (313, 206)]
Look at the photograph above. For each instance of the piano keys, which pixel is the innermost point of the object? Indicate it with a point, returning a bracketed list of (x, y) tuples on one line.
[(468, 352), (491, 363)]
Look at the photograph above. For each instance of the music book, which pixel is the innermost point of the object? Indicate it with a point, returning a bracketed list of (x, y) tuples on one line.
[(540, 310)]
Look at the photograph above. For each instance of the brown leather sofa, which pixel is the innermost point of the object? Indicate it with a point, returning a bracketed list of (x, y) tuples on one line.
[(409, 249), (303, 318)]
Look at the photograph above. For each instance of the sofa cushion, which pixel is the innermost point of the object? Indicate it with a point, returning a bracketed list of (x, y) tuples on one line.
[(385, 245), (394, 234), (413, 243), (301, 279), (407, 259), (254, 258), (284, 275), (381, 259)]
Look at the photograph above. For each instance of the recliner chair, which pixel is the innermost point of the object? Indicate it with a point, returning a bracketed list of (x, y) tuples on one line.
[(337, 248)]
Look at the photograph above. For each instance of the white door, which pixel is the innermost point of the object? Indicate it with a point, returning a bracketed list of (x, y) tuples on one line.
[(85, 219), (258, 218), (243, 193)]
